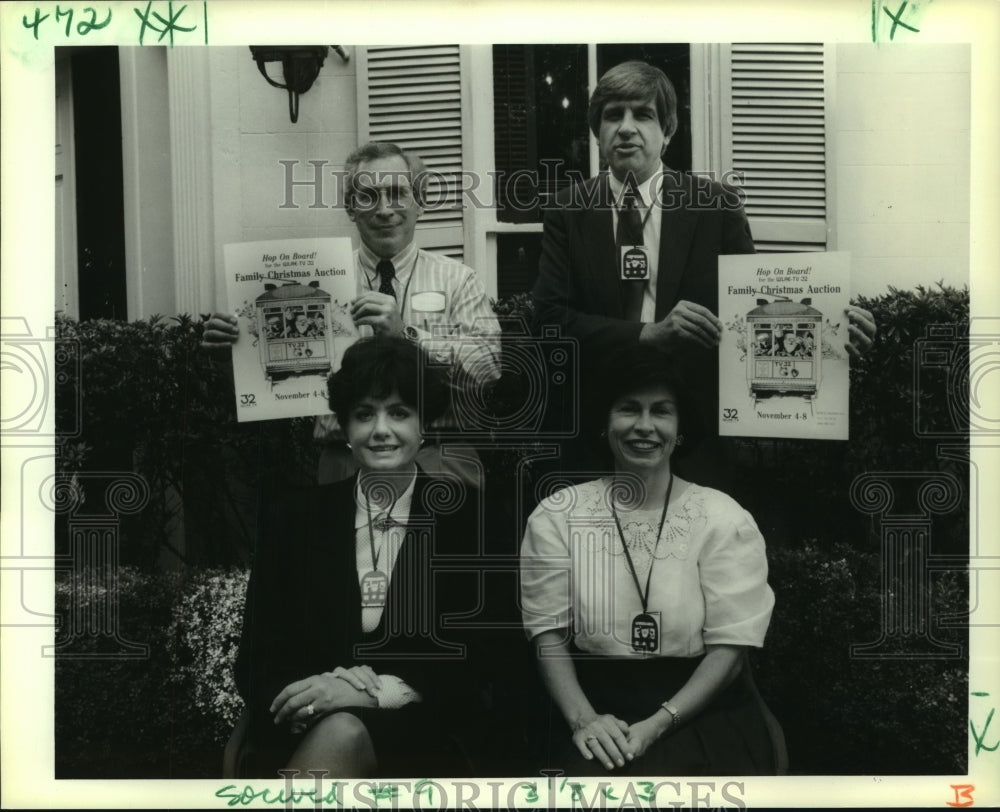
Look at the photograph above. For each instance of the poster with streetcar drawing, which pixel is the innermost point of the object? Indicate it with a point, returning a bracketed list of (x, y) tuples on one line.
[(783, 368), (291, 299)]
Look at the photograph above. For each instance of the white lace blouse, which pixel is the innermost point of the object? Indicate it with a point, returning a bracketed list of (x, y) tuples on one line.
[(709, 580)]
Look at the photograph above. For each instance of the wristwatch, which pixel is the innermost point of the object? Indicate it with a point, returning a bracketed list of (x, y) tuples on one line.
[(410, 332), (674, 713)]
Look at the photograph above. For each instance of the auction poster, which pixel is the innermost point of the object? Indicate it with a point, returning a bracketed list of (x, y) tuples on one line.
[(291, 298), (783, 365)]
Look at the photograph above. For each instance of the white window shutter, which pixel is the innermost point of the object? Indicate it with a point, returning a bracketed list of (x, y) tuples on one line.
[(412, 96), (776, 117)]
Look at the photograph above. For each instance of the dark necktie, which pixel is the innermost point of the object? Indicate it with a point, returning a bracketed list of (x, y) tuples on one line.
[(630, 233), (386, 272)]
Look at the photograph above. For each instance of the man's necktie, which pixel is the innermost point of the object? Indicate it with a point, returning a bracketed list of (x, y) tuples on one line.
[(386, 272), (630, 233)]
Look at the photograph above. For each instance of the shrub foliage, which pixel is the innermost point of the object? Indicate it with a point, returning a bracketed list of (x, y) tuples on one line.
[(153, 402)]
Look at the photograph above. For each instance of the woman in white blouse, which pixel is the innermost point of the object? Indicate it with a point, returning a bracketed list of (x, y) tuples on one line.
[(344, 662), (641, 593)]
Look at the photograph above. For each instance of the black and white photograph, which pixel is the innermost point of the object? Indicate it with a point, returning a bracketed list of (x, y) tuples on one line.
[(432, 419)]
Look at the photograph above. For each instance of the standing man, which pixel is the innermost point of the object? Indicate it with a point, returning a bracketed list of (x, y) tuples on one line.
[(403, 290), (631, 256)]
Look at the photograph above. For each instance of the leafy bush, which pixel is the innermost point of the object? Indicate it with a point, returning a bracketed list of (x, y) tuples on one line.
[(167, 714), (886, 396), (884, 399), (845, 714), (155, 403), (115, 716), (206, 627)]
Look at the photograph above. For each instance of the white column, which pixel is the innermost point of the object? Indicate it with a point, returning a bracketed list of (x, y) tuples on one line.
[(191, 173), (146, 161)]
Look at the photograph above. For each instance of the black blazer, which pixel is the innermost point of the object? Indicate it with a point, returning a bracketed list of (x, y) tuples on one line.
[(579, 286), (303, 608)]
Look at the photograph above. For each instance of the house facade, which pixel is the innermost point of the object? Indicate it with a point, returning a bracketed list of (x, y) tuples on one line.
[(837, 146)]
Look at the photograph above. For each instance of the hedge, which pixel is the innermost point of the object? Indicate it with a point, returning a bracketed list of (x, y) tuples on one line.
[(170, 715)]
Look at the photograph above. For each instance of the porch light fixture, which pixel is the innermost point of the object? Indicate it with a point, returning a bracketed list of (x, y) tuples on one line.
[(300, 66)]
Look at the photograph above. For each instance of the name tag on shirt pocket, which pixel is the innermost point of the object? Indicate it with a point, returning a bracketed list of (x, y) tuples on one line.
[(428, 302)]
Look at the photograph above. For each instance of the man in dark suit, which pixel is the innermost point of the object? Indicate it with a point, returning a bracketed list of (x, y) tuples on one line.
[(631, 256)]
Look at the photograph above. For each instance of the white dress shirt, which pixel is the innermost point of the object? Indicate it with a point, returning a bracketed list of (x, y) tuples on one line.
[(649, 211)]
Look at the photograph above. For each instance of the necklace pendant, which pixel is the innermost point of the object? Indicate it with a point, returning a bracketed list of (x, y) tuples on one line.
[(383, 523), (374, 588), (646, 632)]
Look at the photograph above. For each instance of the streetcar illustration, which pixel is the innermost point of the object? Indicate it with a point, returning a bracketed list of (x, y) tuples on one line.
[(300, 330), (784, 349)]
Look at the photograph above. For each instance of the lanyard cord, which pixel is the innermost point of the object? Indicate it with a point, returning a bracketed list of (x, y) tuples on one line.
[(371, 529), (644, 597)]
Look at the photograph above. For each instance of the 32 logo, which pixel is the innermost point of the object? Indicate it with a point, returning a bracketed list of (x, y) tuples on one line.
[(248, 400), (731, 415)]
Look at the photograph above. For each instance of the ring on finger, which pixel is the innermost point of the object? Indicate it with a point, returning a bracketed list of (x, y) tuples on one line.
[(310, 709)]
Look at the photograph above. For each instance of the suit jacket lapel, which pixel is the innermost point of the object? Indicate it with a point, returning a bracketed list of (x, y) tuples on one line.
[(676, 233), (338, 531), (598, 236)]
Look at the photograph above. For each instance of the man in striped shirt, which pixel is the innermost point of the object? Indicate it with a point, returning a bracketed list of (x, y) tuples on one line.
[(403, 290)]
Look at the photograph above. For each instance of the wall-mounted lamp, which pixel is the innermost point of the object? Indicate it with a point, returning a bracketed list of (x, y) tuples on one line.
[(300, 66)]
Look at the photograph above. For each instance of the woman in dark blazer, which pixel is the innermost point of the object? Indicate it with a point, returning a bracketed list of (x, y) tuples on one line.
[(346, 661)]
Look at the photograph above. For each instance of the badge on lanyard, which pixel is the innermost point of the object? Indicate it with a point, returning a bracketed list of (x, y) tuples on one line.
[(646, 632), (634, 262), (374, 587), (646, 624)]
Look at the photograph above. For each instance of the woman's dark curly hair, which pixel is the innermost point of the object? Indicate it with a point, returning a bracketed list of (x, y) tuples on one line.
[(377, 367), (646, 366)]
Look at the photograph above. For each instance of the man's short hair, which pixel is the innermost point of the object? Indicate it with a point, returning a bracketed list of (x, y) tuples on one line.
[(635, 81), (374, 150)]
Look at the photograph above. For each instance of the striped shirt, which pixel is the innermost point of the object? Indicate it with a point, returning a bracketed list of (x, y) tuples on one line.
[(444, 301)]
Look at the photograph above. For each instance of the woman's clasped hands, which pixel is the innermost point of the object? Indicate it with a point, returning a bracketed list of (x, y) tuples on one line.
[(300, 704), (603, 737), (613, 742)]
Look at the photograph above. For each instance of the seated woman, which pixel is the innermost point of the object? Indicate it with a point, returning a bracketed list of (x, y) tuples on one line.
[(344, 661), (641, 593)]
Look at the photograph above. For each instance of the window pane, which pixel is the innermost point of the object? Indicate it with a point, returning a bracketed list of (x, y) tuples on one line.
[(517, 262), (540, 124)]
